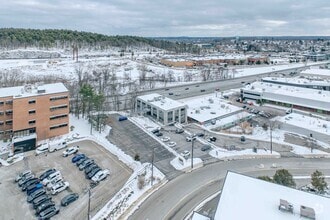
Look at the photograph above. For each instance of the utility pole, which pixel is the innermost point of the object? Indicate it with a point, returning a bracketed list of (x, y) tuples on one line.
[(271, 140), (192, 152), (89, 203), (311, 136), (152, 167)]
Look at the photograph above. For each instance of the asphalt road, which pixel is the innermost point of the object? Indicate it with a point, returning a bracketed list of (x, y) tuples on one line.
[(179, 196)]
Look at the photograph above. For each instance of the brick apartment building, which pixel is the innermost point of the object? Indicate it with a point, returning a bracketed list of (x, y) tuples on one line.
[(32, 113)]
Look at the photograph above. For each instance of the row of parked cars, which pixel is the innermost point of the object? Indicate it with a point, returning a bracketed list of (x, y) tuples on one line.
[(91, 169), (36, 189)]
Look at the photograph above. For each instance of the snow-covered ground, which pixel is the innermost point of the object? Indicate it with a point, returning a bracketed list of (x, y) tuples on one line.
[(180, 163), (223, 154)]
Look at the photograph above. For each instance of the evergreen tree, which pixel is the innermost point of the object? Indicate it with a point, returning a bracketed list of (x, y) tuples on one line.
[(284, 177), (318, 181)]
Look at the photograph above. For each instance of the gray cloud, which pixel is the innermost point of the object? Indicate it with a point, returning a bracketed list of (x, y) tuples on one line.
[(172, 17)]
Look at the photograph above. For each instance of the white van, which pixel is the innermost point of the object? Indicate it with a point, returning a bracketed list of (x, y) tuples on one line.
[(58, 146), (51, 177), (42, 148)]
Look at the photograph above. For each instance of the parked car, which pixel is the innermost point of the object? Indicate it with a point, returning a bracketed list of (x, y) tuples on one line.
[(49, 212), (205, 147), (159, 134), (122, 118), (41, 199), (44, 205), (93, 172), (242, 138), (190, 138), (58, 146), (51, 177), (59, 188), (69, 199), (212, 139), (101, 175), (54, 182), (46, 173), (179, 130), (185, 154), (22, 175), (42, 148), (33, 188), (165, 139), (29, 183), (90, 167), (36, 194), (77, 157), (202, 90), (85, 164), (70, 150), (81, 161), (171, 144), (25, 178), (199, 134)]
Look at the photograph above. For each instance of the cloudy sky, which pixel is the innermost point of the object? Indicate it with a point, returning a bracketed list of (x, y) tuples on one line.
[(172, 17)]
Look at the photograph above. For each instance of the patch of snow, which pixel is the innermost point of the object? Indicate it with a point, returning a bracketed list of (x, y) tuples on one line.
[(185, 164)]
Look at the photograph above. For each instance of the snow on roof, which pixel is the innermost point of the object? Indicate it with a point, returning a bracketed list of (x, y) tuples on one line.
[(32, 90), (297, 81), (312, 98), (197, 216), (244, 197), (161, 102), (321, 72), (209, 107)]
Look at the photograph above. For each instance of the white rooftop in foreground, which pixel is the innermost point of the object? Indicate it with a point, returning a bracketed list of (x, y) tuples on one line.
[(297, 81), (22, 91), (161, 102), (248, 198), (197, 216), (209, 107)]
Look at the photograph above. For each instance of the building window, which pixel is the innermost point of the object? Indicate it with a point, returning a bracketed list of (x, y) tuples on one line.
[(9, 131), (58, 116), (32, 112), (9, 112), (9, 102), (32, 122), (1, 123), (58, 107), (9, 122), (58, 126), (33, 101), (58, 98), (2, 102), (2, 113)]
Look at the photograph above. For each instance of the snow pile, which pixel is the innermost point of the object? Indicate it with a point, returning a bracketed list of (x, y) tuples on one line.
[(146, 123), (135, 189), (180, 163), (243, 154)]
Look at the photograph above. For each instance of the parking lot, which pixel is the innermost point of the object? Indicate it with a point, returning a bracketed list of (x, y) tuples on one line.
[(134, 141), (15, 206)]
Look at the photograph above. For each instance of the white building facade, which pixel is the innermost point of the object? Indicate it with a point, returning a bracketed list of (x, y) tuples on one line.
[(162, 109)]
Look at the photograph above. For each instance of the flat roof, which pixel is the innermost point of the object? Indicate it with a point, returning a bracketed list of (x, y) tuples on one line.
[(161, 102), (245, 197), (209, 107), (297, 81), (32, 90), (299, 92), (320, 72)]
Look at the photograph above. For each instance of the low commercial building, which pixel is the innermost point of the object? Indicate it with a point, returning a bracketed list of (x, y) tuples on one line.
[(316, 73), (33, 112), (162, 109), (300, 82), (289, 96)]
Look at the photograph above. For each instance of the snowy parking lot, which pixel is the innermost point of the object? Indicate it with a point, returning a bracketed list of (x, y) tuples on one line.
[(119, 174)]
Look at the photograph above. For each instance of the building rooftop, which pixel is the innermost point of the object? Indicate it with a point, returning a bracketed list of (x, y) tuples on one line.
[(298, 92), (297, 81), (206, 108), (32, 90), (161, 102), (318, 72), (244, 197)]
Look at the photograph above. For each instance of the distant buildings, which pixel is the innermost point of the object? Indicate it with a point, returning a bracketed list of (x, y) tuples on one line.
[(31, 113), (161, 108)]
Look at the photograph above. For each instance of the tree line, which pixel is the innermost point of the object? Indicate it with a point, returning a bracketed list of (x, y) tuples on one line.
[(13, 38)]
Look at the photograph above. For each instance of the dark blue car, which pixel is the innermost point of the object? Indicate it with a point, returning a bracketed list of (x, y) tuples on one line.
[(33, 188), (122, 118), (78, 157)]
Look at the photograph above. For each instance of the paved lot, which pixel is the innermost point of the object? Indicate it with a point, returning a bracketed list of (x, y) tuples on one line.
[(16, 206), (133, 140)]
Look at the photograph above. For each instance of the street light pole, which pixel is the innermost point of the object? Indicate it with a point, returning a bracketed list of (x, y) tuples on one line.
[(192, 152), (271, 140), (89, 203), (152, 167)]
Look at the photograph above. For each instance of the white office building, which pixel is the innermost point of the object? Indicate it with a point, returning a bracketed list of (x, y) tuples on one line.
[(161, 108)]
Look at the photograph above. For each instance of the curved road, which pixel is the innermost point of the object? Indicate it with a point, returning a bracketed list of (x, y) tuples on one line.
[(179, 196)]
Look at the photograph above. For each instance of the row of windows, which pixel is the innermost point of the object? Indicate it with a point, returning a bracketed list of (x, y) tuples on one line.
[(6, 132), (58, 116), (58, 107), (58, 126), (58, 98), (8, 122), (8, 102)]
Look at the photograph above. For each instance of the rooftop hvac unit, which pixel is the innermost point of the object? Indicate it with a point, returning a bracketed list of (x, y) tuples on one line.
[(197, 111), (320, 92), (307, 212)]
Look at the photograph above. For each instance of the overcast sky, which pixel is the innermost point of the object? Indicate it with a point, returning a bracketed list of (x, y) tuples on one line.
[(172, 17)]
